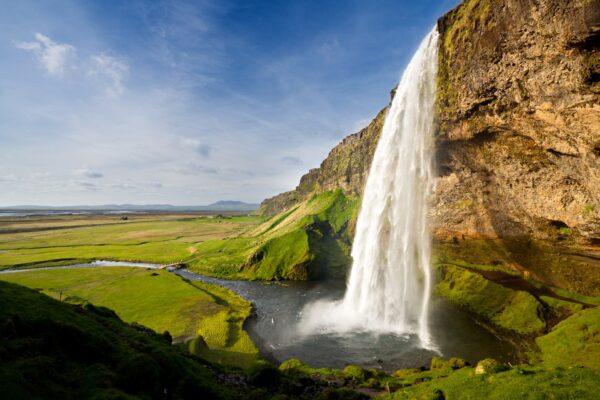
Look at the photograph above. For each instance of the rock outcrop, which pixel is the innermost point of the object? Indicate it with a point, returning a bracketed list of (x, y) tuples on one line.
[(519, 115)]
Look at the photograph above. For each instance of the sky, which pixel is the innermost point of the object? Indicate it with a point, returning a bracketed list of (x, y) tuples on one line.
[(187, 103)]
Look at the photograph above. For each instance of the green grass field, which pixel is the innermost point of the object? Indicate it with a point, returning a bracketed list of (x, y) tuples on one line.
[(159, 300), (41, 241)]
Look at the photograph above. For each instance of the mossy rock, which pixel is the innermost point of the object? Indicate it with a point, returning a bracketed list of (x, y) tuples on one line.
[(511, 310), (438, 363), (355, 373), (489, 366)]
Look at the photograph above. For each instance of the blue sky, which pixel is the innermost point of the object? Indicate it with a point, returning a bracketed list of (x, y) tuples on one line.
[(189, 102)]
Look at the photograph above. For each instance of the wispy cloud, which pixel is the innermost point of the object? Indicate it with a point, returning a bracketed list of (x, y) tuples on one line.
[(192, 169), (196, 145), (87, 186), (84, 172), (112, 70), (54, 57), (122, 186), (290, 160)]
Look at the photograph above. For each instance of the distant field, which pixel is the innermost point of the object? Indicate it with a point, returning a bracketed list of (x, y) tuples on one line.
[(159, 300), (154, 238)]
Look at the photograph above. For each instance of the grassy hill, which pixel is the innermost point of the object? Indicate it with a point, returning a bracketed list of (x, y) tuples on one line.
[(51, 349), (309, 241), (159, 300)]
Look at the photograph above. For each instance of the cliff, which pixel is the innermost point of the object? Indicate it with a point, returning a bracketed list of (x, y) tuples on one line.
[(518, 146), (519, 116)]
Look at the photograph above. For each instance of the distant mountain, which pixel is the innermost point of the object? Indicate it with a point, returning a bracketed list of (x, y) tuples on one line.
[(221, 205)]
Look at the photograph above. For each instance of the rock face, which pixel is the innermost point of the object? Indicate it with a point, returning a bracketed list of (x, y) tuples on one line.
[(519, 115), (518, 143)]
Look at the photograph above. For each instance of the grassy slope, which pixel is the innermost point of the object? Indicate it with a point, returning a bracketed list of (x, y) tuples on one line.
[(573, 342), (511, 310), (55, 350), (308, 241), (51, 349), (159, 300), (516, 383), (452, 380), (158, 239)]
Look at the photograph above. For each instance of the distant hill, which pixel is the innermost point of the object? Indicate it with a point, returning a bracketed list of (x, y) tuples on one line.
[(221, 205)]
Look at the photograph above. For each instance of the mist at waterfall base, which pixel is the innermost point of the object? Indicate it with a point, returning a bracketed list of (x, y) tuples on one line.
[(389, 286)]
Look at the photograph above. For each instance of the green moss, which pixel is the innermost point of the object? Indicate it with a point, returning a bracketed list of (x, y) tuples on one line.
[(511, 310), (561, 307), (297, 368), (490, 366), (588, 210), (574, 341), (284, 257), (438, 363), (355, 373), (565, 231)]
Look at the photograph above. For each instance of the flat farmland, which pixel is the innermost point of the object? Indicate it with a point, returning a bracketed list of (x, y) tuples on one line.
[(154, 238)]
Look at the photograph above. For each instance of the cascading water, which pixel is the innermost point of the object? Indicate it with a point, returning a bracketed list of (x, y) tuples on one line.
[(389, 285)]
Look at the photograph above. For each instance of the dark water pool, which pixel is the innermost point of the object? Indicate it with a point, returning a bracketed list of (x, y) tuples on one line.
[(275, 330)]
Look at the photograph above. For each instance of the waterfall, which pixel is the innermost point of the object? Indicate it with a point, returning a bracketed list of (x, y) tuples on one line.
[(389, 285)]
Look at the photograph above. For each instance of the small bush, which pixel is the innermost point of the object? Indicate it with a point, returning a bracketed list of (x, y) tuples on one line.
[(263, 373)]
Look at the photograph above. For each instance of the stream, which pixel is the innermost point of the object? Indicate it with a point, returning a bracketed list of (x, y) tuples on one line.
[(278, 307)]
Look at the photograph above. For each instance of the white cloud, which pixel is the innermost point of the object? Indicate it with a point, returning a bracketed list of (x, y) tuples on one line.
[(194, 144), (53, 56), (112, 70), (88, 173)]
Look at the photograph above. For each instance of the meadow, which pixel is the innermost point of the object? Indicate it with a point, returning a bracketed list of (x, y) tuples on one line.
[(153, 238), (158, 300), (206, 318)]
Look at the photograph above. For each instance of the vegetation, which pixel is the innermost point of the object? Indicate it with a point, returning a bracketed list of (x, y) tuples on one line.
[(573, 342), (162, 239), (52, 349), (56, 350), (159, 300), (309, 241), (515, 311), (521, 382), (454, 379)]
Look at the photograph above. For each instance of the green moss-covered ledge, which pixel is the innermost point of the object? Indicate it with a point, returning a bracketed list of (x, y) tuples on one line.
[(513, 311)]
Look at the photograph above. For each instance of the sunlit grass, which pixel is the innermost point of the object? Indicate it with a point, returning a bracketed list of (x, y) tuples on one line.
[(158, 240), (157, 299)]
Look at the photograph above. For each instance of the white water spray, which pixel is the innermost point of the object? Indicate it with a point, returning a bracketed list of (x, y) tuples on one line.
[(390, 283)]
